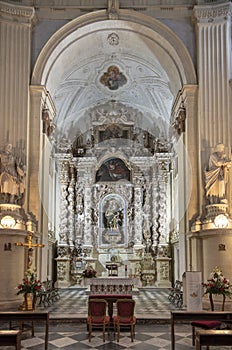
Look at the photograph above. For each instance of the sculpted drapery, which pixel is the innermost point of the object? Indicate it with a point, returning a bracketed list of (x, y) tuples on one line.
[(216, 176)]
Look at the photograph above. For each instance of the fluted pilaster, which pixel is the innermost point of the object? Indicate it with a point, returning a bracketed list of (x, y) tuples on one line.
[(214, 47), (15, 43)]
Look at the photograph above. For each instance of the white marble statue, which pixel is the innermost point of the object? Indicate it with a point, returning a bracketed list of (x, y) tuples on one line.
[(216, 176), (12, 177)]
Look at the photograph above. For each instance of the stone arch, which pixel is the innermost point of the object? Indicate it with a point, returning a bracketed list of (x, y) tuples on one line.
[(164, 36)]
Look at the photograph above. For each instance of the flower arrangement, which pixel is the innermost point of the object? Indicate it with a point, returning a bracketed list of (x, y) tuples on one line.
[(89, 272), (30, 283), (218, 284)]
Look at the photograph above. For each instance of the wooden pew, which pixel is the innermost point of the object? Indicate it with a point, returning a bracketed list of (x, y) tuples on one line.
[(10, 338), (213, 337), (188, 316), (30, 316)]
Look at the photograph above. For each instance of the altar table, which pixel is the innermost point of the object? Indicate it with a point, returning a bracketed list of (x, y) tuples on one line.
[(112, 285)]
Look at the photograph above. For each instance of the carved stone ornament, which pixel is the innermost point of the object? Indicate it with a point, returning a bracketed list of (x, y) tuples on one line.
[(113, 39), (12, 176), (209, 12), (113, 8), (18, 11), (63, 252), (61, 270)]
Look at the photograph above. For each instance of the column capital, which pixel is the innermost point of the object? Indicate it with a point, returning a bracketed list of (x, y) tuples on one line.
[(212, 13), (14, 12)]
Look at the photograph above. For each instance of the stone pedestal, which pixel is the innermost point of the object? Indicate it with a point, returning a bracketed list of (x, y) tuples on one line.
[(135, 267), (148, 270), (163, 275), (63, 272), (12, 264)]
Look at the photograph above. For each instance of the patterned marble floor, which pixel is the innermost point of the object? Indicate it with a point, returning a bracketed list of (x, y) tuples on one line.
[(150, 303), (68, 330), (73, 336)]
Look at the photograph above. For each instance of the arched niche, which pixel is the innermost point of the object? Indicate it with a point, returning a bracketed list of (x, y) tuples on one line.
[(112, 221)]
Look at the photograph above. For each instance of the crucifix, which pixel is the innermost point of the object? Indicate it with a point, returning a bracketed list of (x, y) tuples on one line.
[(29, 245)]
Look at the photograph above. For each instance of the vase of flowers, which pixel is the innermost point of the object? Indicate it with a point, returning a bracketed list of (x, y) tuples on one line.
[(219, 285), (30, 288), (89, 272)]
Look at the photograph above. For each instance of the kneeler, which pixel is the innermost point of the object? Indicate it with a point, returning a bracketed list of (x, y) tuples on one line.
[(203, 325)]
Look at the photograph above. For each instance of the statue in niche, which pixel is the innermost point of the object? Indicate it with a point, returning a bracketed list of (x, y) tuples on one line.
[(113, 215), (12, 177), (113, 169), (113, 221), (216, 176)]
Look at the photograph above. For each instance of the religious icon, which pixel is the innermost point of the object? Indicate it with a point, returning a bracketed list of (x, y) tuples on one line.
[(113, 169), (113, 78), (113, 220)]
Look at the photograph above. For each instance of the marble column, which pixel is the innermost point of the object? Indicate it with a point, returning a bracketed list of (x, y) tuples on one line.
[(162, 259), (87, 219), (71, 199), (138, 217)]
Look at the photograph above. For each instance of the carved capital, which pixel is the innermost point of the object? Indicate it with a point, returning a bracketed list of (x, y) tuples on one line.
[(14, 11), (179, 122), (209, 13)]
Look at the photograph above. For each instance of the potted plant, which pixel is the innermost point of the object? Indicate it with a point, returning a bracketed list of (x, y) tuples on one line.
[(29, 287), (219, 285)]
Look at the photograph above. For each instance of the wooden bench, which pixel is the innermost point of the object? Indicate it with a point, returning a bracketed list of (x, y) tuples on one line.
[(27, 316), (10, 338), (188, 316), (213, 337)]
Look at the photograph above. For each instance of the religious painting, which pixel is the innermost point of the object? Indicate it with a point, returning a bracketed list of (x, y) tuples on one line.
[(113, 78), (112, 221), (113, 169), (113, 131)]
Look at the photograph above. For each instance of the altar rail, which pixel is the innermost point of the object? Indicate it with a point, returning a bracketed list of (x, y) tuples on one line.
[(114, 285)]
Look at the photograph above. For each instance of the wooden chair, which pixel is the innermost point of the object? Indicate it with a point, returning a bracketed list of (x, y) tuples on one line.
[(125, 316), (97, 316)]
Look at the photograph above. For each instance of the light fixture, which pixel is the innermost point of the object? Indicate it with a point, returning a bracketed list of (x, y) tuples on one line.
[(8, 221), (221, 221)]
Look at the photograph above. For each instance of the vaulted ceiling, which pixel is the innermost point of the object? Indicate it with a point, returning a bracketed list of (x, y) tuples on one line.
[(79, 73)]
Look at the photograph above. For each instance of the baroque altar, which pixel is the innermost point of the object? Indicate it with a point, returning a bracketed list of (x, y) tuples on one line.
[(114, 206)]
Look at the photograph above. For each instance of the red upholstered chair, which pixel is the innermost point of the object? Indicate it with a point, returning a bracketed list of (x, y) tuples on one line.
[(125, 316), (203, 325), (97, 316)]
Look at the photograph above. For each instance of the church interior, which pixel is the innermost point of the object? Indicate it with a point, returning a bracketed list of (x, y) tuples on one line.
[(115, 149)]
